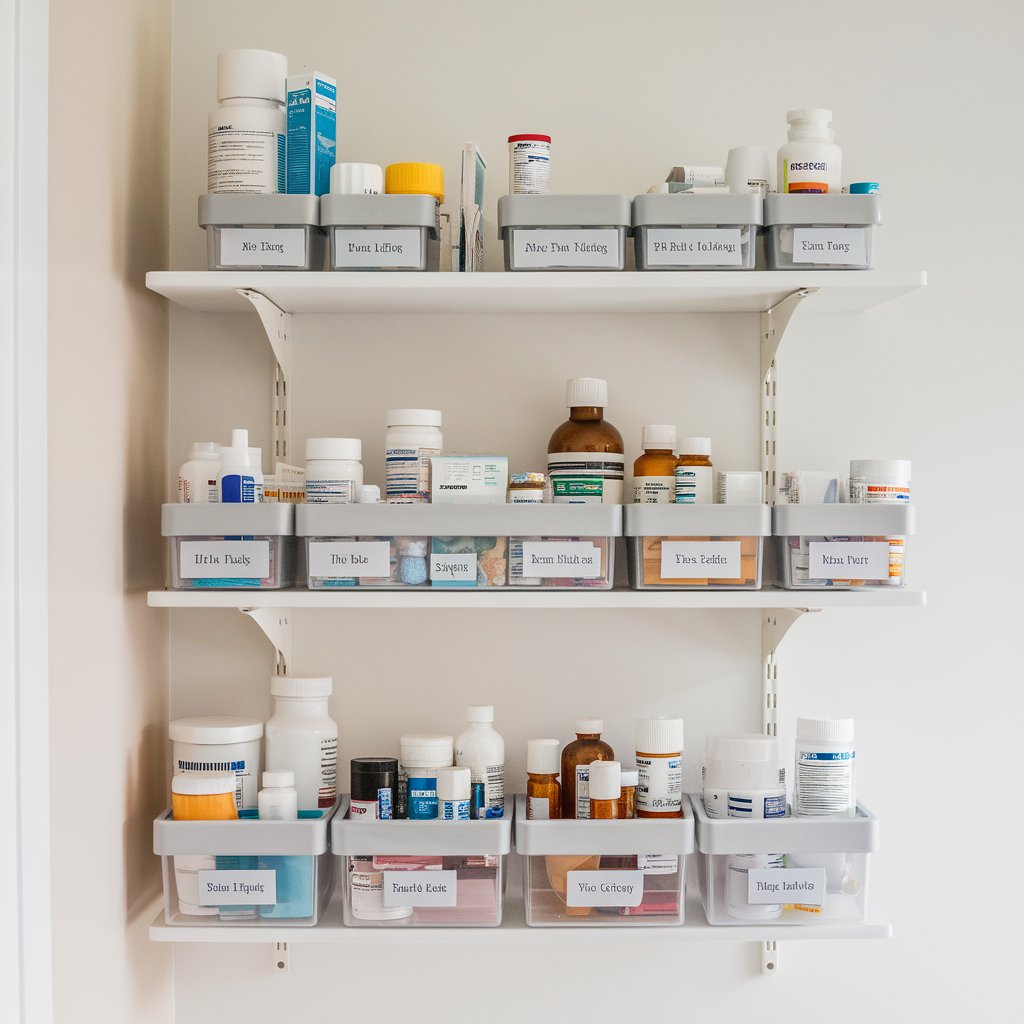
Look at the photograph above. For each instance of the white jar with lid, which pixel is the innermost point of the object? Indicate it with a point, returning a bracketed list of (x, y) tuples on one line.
[(220, 743), (197, 477), (810, 162), (825, 762), (418, 762), (334, 470), (882, 481), (413, 437)]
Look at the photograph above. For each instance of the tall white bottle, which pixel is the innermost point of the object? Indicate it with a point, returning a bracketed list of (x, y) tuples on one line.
[(236, 482), (810, 162), (197, 478), (482, 750)]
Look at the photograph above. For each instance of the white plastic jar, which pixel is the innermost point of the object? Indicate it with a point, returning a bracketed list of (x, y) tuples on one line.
[(529, 165), (246, 139), (220, 743), (824, 783), (366, 893), (882, 481), (413, 438), (419, 759), (810, 162), (334, 470), (197, 477)]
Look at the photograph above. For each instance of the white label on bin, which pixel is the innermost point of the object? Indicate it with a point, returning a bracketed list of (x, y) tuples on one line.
[(565, 247), (224, 559), (700, 559), (604, 888), (694, 247), (460, 568), (377, 247), (844, 246), (420, 888), (263, 247), (357, 558), (548, 559), (849, 560), (237, 888), (786, 885)]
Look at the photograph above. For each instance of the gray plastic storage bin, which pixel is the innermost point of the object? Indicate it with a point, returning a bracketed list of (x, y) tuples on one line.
[(693, 547), (604, 873), (381, 232), (842, 546), (792, 871), (247, 872), (409, 874), (224, 547), (467, 546), (262, 232), (821, 232), (703, 232), (564, 232)]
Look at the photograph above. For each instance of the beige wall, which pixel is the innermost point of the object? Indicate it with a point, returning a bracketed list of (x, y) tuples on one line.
[(108, 143)]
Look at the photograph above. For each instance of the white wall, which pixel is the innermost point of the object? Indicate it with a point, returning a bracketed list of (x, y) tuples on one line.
[(922, 102)]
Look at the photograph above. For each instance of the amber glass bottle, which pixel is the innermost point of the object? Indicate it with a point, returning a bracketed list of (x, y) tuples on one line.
[(586, 457), (654, 473), (543, 794), (694, 472), (605, 785), (576, 760)]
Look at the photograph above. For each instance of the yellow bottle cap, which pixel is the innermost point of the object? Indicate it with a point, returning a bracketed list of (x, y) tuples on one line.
[(415, 179)]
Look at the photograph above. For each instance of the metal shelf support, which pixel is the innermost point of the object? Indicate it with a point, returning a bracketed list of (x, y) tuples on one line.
[(769, 957), (276, 624), (281, 961), (278, 326)]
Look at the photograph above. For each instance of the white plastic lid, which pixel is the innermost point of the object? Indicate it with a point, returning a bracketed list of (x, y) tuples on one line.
[(695, 446), (203, 783), (312, 687), (480, 713), (586, 391), (881, 469), (630, 777), (453, 783), (605, 780), (369, 494), (357, 180), (827, 730), (205, 451), (215, 729), (588, 726), (278, 780), (427, 751), (251, 74), (746, 747), (335, 449), (414, 418), (659, 735), (543, 757), (809, 115), (659, 435)]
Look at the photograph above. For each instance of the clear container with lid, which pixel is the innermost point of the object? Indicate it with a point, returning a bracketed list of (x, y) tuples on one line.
[(334, 470), (220, 743), (419, 758)]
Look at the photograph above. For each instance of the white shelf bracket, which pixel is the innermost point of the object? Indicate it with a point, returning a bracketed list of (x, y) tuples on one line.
[(278, 326), (770, 957), (775, 624), (774, 322), (282, 960), (276, 624)]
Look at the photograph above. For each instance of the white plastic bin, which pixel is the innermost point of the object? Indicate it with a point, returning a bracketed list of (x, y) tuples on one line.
[(383, 232), (812, 232), (262, 232)]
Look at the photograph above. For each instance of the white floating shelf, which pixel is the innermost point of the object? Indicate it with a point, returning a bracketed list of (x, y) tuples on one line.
[(569, 292)]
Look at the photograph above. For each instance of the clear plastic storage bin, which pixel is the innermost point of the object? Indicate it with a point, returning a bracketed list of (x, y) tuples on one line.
[(842, 546), (408, 874), (383, 232), (696, 232), (247, 872), (564, 232), (262, 232), (792, 871), (226, 547), (811, 232), (604, 873), (684, 547)]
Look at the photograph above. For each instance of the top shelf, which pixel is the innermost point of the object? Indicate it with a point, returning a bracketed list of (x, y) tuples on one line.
[(550, 292)]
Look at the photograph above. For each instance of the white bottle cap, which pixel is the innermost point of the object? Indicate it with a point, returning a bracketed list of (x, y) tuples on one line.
[(746, 747), (427, 751), (278, 780), (203, 783), (588, 726), (543, 757), (586, 391), (749, 761), (695, 446), (414, 418), (453, 783), (659, 435), (605, 780), (659, 735), (630, 777), (826, 730), (215, 729), (314, 687), (205, 451), (335, 449), (251, 74), (804, 115), (369, 494), (480, 713), (357, 180)]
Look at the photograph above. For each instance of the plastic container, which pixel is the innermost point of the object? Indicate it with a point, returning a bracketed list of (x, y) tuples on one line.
[(825, 762), (220, 743), (381, 232), (197, 477), (334, 470), (841, 546), (413, 438), (481, 749), (230, 547), (659, 761), (265, 232), (833, 232), (759, 872), (409, 874), (669, 545), (564, 232), (880, 481), (284, 866), (419, 759), (617, 873), (529, 165), (702, 232), (810, 162)]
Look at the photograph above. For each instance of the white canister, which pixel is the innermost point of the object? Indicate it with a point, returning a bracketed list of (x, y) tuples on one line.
[(413, 438), (529, 165), (419, 759), (349, 179), (334, 470), (880, 481), (825, 768), (744, 777), (220, 743), (366, 893)]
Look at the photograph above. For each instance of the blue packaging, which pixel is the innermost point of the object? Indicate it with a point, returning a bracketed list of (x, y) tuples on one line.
[(422, 798), (312, 133)]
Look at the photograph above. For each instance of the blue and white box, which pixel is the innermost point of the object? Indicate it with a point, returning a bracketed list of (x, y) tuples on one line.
[(312, 132)]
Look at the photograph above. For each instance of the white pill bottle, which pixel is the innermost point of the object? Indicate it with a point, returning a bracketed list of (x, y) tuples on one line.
[(810, 163), (413, 437)]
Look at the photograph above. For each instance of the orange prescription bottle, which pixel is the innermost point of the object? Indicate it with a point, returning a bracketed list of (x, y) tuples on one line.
[(694, 472), (659, 760), (605, 790), (203, 796), (543, 793)]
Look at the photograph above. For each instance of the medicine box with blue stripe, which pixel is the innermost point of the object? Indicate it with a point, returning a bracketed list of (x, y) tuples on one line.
[(312, 132)]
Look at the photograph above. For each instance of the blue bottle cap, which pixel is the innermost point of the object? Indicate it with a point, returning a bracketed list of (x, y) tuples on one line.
[(864, 188)]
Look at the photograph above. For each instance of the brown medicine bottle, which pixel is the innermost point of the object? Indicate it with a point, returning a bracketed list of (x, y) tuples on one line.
[(694, 472), (605, 790), (659, 761), (654, 473), (627, 802), (576, 760), (543, 794), (586, 457)]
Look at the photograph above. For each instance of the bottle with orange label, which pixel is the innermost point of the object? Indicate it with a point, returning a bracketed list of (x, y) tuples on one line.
[(810, 162)]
